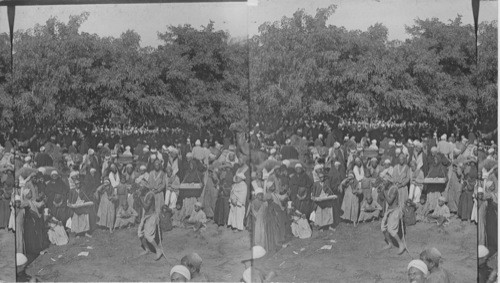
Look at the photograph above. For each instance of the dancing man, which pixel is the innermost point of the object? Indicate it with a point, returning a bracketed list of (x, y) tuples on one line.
[(148, 228), (390, 222)]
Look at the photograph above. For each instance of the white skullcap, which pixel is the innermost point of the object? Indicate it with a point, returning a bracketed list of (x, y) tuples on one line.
[(17, 198), (482, 251), (54, 172), (480, 190), (142, 167), (337, 163), (387, 161), (320, 135), (74, 142), (154, 150), (258, 252), (198, 142), (258, 191), (128, 147), (198, 204), (391, 142), (21, 259), (91, 151), (444, 137), (189, 155), (93, 170), (273, 150), (418, 264), (164, 148), (42, 148), (434, 149), (145, 149), (27, 159), (298, 165), (182, 270), (399, 144), (441, 198), (153, 156), (374, 141), (42, 170), (398, 150), (99, 144), (288, 141), (336, 145), (491, 150), (410, 141), (286, 163)]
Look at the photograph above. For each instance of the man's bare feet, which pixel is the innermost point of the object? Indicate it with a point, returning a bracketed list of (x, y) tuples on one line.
[(143, 253), (387, 247)]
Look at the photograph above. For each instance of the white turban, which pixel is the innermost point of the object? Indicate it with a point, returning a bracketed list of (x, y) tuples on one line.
[(480, 190), (17, 198), (42, 149), (441, 198), (127, 147), (391, 142), (164, 148), (27, 159), (298, 165), (42, 170), (491, 150), (153, 157), (273, 150), (21, 259), (182, 270), (258, 191), (398, 150), (286, 163), (145, 149), (91, 151), (387, 161), (434, 149), (142, 167), (374, 141), (418, 264), (482, 251), (336, 163), (198, 142), (399, 144), (198, 204), (336, 145), (444, 137)]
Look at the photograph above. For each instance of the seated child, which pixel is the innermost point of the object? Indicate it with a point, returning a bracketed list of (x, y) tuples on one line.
[(441, 214), (125, 217), (197, 220), (409, 214), (177, 216), (166, 218), (422, 209), (300, 226), (56, 232), (370, 210)]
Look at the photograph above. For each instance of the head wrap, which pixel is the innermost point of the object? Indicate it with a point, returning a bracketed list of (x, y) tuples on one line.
[(336, 145), (441, 198), (336, 163), (73, 174), (480, 190), (482, 251), (42, 170), (434, 149), (42, 149), (273, 150), (17, 198), (153, 156), (374, 142), (198, 204), (99, 144), (21, 259), (320, 136), (198, 143), (164, 148), (182, 270), (54, 172), (387, 161), (91, 151), (418, 264), (142, 167), (128, 147), (491, 150), (318, 167), (288, 141), (374, 159), (444, 137), (399, 144), (391, 143), (27, 159), (410, 141), (145, 149), (298, 165), (93, 170), (398, 150), (258, 191)]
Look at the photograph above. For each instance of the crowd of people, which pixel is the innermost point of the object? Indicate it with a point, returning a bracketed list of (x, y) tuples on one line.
[(57, 191)]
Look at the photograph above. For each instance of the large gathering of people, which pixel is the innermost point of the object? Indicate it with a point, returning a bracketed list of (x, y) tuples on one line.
[(71, 188)]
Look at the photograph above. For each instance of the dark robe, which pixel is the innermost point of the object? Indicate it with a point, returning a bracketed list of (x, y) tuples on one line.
[(289, 152), (334, 180), (43, 159), (56, 187), (299, 180), (35, 233)]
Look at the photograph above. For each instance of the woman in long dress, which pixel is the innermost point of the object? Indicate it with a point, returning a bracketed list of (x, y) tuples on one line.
[(35, 232), (106, 211), (323, 209), (80, 222), (350, 204), (237, 201)]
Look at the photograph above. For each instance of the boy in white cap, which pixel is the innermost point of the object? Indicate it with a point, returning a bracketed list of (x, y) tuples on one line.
[(198, 219), (441, 214), (417, 271), (180, 273)]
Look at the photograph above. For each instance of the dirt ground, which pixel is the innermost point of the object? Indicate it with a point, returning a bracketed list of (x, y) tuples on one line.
[(355, 255), (7, 256)]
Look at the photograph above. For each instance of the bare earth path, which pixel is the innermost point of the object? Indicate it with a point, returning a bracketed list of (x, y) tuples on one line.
[(355, 255), (7, 256)]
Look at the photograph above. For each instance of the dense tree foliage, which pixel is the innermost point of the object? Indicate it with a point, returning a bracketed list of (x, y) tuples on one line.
[(294, 69)]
